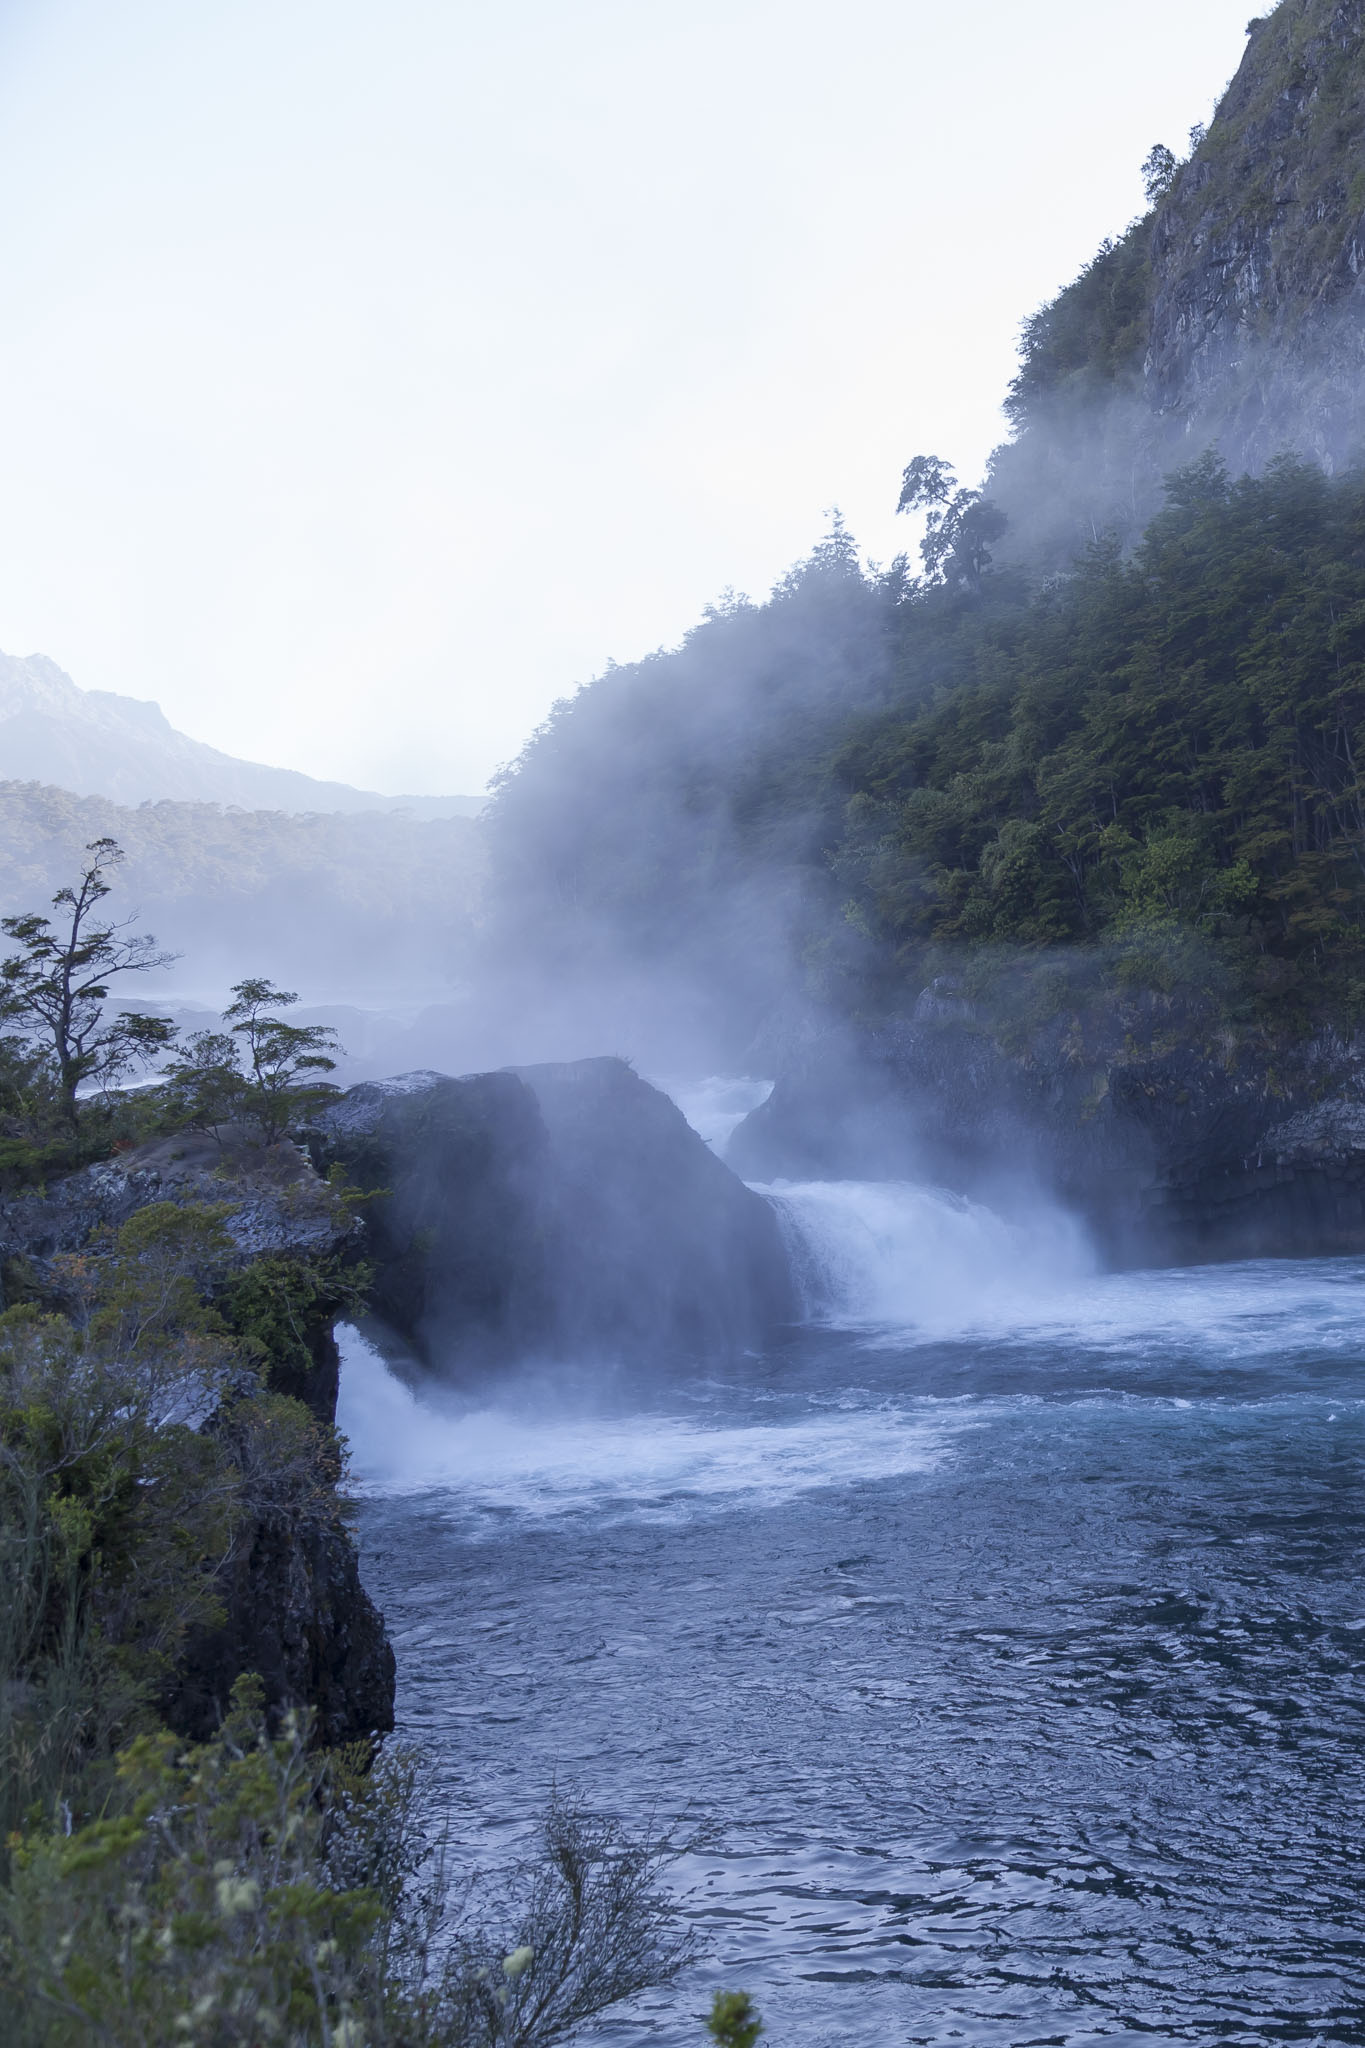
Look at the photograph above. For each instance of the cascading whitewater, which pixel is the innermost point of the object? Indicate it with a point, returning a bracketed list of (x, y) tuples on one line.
[(899, 1254)]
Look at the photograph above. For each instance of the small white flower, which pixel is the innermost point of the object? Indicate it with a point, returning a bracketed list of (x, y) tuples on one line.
[(517, 1963), (237, 1895)]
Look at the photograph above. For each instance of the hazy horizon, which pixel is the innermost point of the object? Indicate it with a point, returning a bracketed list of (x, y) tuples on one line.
[(368, 386)]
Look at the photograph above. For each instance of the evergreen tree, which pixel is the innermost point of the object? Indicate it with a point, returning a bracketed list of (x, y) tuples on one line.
[(56, 986)]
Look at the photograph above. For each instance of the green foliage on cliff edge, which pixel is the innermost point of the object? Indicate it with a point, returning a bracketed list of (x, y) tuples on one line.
[(136, 1448), (277, 1304), (1091, 335), (253, 1888)]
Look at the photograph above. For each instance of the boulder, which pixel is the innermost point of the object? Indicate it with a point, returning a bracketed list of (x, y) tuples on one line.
[(554, 1212)]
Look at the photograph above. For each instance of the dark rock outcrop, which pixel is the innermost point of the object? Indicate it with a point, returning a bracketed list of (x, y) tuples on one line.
[(278, 1209), (295, 1613), (1176, 1153), (1257, 326), (276, 1201), (555, 1212), (294, 1609)]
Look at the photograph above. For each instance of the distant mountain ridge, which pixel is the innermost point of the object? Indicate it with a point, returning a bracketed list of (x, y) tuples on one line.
[(98, 743)]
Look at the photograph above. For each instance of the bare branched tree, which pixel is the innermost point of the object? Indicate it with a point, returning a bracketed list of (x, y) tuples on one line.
[(593, 1925)]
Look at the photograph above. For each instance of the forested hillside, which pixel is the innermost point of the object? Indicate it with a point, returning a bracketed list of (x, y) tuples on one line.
[(1121, 710), (1171, 742), (1160, 745), (339, 902)]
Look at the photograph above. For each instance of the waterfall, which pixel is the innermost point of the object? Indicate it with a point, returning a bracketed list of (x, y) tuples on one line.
[(898, 1254)]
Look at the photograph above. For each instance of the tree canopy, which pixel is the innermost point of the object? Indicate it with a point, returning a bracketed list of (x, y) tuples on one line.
[(1165, 742)]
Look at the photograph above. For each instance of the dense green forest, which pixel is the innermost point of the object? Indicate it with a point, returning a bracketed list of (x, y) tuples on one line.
[(1117, 719), (873, 775)]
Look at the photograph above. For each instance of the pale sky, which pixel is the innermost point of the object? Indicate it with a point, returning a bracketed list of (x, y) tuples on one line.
[(370, 376)]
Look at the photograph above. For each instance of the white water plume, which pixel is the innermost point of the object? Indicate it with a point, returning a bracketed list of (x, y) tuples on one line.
[(545, 1464), (893, 1253)]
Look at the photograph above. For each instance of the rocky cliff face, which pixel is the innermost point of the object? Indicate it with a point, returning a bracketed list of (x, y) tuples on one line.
[(293, 1607), (294, 1612), (1231, 317), (557, 1212), (1179, 1153), (276, 1203), (1257, 323)]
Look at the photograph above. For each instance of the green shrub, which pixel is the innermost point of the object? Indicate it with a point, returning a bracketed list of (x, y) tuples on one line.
[(252, 1891), (203, 1904), (734, 2020)]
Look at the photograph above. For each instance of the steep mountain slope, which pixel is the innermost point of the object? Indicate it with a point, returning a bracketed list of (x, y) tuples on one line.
[(96, 743), (1232, 316), (1257, 324)]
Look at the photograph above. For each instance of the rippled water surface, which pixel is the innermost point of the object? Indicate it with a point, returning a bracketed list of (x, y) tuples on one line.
[(1019, 1661)]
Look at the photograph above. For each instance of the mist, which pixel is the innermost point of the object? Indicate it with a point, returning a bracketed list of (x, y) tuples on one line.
[(801, 1263)]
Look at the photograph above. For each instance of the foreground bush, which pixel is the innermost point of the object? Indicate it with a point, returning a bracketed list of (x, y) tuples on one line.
[(249, 1891), (198, 1907)]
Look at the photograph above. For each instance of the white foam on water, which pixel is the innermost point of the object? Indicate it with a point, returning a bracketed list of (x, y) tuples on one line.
[(902, 1261), (553, 1465), (1264, 1308)]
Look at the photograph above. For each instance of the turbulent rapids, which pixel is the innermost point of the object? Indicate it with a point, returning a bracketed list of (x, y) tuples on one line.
[(1007, 1621)]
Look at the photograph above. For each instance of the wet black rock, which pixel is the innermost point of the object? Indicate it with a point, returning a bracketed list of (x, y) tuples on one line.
[(555, 1212), (1172, 1153), (296, 1614)]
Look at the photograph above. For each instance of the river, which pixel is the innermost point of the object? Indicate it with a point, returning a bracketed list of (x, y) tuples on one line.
[(1007, 1621)]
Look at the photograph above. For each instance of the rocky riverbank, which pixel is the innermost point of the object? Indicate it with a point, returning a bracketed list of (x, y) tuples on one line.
[(1172, 1147), (291, 1606), (553, 1214)]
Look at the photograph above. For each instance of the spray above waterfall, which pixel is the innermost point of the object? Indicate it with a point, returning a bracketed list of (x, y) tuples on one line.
[(905, 1256)]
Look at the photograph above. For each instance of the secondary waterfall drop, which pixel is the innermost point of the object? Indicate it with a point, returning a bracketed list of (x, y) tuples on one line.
[(907, 1256)]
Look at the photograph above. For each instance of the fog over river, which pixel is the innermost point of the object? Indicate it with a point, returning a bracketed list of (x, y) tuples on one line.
[(1007, 1621)]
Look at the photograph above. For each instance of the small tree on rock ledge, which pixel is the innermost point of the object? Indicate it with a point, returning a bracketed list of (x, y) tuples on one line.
[(56, 986), (260, 1068)]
